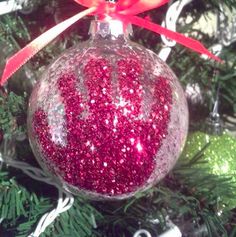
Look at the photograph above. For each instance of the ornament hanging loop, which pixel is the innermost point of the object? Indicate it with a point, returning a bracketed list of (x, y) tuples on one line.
[(106, 10)]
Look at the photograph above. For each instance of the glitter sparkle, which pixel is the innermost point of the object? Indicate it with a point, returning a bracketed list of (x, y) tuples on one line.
[(110, 145)]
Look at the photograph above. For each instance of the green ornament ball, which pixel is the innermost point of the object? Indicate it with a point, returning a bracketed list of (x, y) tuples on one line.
[(219, 156)]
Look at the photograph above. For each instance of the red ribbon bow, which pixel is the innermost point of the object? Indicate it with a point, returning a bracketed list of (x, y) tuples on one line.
[(124, 10)]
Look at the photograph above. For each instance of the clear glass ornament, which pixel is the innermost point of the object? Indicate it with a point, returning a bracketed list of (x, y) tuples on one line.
[(108, 118)]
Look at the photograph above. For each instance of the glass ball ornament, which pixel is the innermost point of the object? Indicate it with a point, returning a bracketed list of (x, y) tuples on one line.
[(108, 118)]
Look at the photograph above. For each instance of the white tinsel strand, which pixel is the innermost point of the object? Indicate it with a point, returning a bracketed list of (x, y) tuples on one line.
[(24, 6), (65, 200), (63, 205), (10, 6), (170, 22)]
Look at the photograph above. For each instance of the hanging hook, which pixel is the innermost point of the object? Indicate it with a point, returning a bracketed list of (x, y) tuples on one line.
[(214, 122)]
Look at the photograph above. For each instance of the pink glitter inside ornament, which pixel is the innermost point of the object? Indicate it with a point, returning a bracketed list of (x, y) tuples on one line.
[(108, 118)]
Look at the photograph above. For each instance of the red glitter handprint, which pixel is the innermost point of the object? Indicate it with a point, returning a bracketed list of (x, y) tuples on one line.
[(112, 132)]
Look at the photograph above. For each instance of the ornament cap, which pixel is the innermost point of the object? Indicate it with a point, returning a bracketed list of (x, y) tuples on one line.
[(110, 29)]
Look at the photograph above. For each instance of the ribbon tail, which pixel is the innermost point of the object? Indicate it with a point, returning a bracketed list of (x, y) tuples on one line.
[(21, 57), (179, 38)]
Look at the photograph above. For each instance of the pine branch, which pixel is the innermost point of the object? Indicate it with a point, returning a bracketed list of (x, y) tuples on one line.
[(19, 208), (11, 107)]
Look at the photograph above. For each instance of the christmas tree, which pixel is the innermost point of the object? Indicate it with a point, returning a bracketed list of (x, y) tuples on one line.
[(196, 198)]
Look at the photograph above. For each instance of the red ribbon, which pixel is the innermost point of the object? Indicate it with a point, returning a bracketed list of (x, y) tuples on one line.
[(123, 10)]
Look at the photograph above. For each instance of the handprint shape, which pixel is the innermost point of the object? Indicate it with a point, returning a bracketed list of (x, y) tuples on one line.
[(113, 119)]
